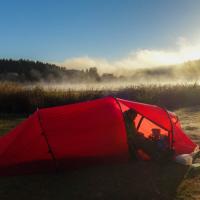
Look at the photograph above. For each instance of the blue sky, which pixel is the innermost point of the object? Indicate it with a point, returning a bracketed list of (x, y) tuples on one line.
[(50, 30)]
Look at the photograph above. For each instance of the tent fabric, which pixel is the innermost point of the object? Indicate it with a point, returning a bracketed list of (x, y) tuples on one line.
[(182, 143), (90, 130), (80, 134), (179, 141), (25, 145), (152, 112)]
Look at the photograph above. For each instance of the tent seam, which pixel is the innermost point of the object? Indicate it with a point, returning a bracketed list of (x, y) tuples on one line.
[(47, 142), (124, 122)]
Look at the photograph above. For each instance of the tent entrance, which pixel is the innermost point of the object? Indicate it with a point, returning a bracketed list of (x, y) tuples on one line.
[(150, 141)]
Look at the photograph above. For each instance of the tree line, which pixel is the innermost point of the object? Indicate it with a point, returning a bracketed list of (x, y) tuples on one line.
[(36, 71)]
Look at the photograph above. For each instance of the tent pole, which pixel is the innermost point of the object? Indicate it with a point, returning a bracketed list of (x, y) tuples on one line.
[(121, 113), (46, 139), (149, 119), (140, 122), (172, 126)]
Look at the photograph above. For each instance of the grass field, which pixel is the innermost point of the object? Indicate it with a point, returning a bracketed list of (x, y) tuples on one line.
[(135, 180), (8, 122), (18, 99)]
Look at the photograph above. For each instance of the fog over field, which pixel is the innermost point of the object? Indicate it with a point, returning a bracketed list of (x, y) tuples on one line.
[(182, 52), (182, 74), (111, 85)]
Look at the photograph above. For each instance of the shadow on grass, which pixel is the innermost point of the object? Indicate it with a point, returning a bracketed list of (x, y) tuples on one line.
[(136, 180)]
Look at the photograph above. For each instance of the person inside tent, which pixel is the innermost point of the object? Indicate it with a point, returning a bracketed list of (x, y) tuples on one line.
[(129, 117), (154, 147)]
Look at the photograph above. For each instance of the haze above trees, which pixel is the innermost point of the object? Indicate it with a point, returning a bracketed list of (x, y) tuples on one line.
[(34, 71)]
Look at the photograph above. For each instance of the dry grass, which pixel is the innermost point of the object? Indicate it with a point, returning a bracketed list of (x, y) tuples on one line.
[(20, 99), (190, 118)]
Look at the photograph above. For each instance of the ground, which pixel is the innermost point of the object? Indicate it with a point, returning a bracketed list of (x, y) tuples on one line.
[(135, 180), (190, 120)]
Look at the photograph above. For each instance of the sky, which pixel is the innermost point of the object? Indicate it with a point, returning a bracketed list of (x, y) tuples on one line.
[(108, 34)]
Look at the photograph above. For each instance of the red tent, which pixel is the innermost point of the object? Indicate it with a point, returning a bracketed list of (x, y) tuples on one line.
[(83, 133)]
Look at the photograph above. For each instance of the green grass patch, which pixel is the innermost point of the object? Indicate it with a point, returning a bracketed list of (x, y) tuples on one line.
[(7, 122)]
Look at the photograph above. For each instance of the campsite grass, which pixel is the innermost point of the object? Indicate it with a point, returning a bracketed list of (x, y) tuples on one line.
[(135, 180), (8, 122), (19, 99), (189, 189)]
